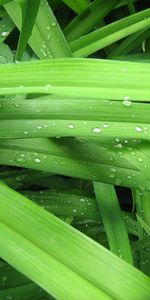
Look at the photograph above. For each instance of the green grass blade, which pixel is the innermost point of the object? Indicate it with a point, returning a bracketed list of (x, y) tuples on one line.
[(86, 21), (144, 224), (29, 14), (113, 221), (38, 253), (51, 156), (6, 27), (46, 77), (47, 39), (111, 33), (130, 43)]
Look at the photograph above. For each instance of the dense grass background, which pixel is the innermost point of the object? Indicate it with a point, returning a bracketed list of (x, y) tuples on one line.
[(74, 150)]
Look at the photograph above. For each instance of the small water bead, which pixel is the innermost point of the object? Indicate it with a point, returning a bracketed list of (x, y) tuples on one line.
[(54, 23), (126, 98), (117, 140), (37, 160), (43, 52), (25, 132), (16, 104), (138, 129), (48, 27), (111, 175), (39, 127), (127, 102), (140, 159), (106, 125), (20, 160), (124, 70), (82, 199), (118, 146), (4, 33), (71, 126), (74, 210), (96, 130)]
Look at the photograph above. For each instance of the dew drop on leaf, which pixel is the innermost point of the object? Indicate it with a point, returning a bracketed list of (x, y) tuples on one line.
[(96, 130)]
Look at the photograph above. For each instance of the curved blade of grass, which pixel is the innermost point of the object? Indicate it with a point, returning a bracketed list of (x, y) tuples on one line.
[(131, 6), (111, 33), (83, 260), (145, 226), (29, 13), (38, 128), (113, 221), (97, 164), (75, 205), (75, 109), (88, 19), (6, 27), (46, 77), (47, 39), (6, 55), (130, 43)]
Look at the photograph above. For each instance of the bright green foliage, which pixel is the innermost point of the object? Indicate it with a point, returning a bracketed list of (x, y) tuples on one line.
[(74, 150)]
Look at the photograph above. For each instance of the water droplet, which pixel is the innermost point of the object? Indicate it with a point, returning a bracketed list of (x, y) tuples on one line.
[(39, 127), (4, 33), (16, 104), (25, 132), (20, 160), (37, 160), (82, 199), (53, 24), (127, 103), (48, 27), (138, 128), (117, 140), (106, 125), (71, 126), (96, 130), (126, 98), (140, 159), (124, 69), (111, 175)]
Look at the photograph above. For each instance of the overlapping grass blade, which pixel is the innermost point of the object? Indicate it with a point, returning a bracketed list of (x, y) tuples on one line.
[(91, 281), (113, 221), (86, 21), (47, 39), (46, 77), (87, 160), (29, 13), (111, 33)]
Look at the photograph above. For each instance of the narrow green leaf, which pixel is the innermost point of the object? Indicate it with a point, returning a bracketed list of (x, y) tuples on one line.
[(131, 81), (83, 264), (88, 19), (113, 221), (29, 13), (111, 33)]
